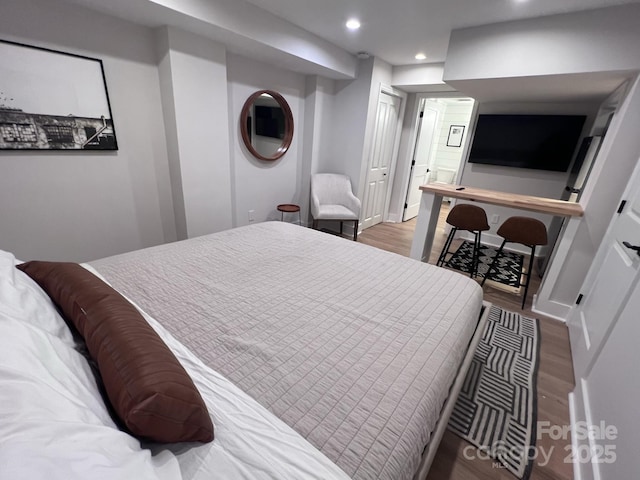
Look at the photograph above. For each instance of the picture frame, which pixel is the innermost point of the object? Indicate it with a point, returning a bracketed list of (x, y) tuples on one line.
[(52, 100), (456, 132)]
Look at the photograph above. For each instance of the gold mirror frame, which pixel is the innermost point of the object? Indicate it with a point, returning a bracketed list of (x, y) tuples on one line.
[(288, 125)]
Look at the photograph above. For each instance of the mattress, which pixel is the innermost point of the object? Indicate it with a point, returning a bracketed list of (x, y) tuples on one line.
[(353, 347)]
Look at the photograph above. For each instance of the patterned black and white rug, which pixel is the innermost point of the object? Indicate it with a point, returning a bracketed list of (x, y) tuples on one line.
[(508, 269), (497, 408)]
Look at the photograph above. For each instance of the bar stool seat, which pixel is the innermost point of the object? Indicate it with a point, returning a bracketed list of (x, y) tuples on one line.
[(526, 231), (467, 217)]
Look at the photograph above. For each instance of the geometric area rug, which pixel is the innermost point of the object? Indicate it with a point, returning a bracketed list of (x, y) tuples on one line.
[(508, 268), (497, 407)]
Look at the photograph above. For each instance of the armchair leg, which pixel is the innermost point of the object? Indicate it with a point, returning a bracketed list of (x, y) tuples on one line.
[(355, 230), (315, 224)]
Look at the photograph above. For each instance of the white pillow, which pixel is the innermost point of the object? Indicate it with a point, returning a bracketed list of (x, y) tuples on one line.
[(54, 423), (22, 299)]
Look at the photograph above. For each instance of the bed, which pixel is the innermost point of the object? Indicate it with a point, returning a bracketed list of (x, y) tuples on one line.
[(316, 357)]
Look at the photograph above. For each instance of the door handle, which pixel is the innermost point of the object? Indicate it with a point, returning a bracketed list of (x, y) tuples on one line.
[(636, 248)]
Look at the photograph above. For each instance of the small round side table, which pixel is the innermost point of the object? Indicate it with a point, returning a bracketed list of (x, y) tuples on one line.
[(289, 208)]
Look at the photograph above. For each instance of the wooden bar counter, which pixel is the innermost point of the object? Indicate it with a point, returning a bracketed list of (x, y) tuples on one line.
[(431, 201)]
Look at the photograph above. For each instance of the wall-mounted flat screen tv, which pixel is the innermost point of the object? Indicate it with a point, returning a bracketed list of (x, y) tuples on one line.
[(541, 142), (269, 121)]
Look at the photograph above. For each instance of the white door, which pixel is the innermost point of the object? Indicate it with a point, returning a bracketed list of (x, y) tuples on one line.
[(594, 316), (613, 389), (421, 162), (384, 138), (604, 331)]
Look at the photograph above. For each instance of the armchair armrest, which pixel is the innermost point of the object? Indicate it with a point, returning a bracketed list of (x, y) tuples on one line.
[(352, 203)]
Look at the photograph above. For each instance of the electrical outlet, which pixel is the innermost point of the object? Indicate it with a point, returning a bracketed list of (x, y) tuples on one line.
[(252, 216), (495, 219)]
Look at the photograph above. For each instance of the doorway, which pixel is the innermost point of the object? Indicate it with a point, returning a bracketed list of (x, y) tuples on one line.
[(437, 155)]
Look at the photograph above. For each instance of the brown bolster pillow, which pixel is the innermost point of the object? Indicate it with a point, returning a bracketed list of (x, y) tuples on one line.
[(148, 388)]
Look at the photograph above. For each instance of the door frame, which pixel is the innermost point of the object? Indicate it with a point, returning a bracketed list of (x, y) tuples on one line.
[(403, 165), (385, 89)]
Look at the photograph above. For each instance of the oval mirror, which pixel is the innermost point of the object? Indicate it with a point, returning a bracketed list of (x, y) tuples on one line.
[(266, 123)]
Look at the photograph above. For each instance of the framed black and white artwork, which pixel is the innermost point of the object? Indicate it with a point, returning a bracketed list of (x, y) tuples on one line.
[(52, 100), (455, 135)]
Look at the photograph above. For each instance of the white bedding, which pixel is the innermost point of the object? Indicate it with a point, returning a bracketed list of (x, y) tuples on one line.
[(54, 424)]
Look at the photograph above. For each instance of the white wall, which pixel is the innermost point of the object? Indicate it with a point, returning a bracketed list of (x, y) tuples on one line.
[(591, 41), (318, 106), (252, 31), (350, 111), (422, 77), (80, 206), (262, 185), (193, 78)]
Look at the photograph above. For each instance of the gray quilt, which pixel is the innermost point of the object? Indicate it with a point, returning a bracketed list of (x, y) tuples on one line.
[(353, 347)]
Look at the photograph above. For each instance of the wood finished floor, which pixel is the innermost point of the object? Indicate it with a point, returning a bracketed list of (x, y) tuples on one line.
[(555, 375)]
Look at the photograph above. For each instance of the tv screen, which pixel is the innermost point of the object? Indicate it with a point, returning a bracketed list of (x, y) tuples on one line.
[(269, 121), (541, 142)]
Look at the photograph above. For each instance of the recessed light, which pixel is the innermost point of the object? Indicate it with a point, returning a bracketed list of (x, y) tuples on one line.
[(420, 56), (353, 24)]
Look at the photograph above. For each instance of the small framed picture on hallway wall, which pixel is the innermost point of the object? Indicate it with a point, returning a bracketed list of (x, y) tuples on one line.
[(455, 135)]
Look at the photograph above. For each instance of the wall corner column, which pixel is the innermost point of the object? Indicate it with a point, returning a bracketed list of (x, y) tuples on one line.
[(193, 85)]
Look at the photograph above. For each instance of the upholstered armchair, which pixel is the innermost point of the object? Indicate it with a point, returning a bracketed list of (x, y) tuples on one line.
[(332, 199)]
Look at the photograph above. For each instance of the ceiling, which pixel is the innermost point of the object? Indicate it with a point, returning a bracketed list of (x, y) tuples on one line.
[(300, 35), (395, 30)]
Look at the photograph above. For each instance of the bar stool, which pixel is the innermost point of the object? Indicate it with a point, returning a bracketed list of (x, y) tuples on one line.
[(527, 231), (472, 219)]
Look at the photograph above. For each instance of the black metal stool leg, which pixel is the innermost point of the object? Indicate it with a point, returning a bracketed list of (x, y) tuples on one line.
[(479, 249), (476, 253), (528, 275), (445, 249), (495, 259)]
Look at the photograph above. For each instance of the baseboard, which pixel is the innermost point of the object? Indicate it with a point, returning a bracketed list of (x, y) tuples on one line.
[(394, 218), (556, 310)]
